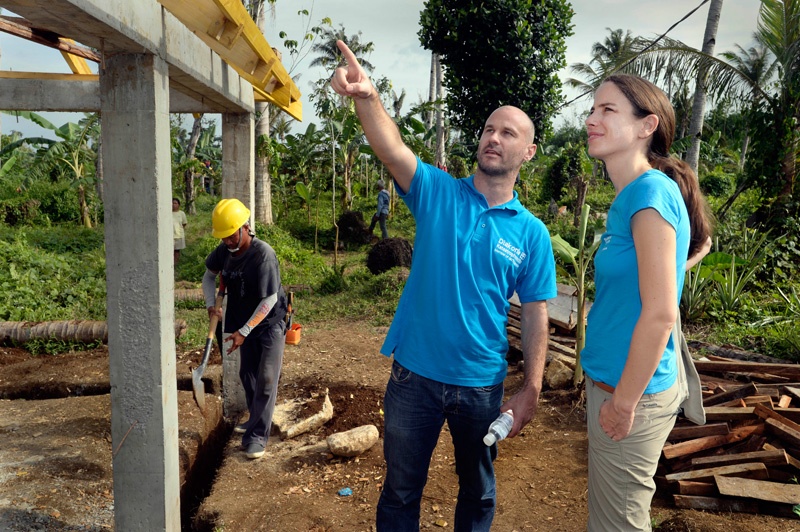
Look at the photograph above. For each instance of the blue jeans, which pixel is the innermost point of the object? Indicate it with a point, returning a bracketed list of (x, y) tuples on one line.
[(415, 409)]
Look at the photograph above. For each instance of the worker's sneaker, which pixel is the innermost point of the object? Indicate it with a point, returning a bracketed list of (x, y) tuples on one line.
[(254, 450), (240, 429)]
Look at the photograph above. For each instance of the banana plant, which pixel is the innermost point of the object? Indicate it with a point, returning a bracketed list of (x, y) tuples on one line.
[(580, 259)]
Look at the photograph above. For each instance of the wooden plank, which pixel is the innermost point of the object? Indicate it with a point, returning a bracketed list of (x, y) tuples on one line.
[(754, 400), (722, 413), (790, 413), (758, 489), (793, 391), (689, 487), (563, 349), (785, 401), (768, 458), (691, 432), (784, 432), (730, 504), (751, 470), (738, 393), (709, 442), (767, 413)]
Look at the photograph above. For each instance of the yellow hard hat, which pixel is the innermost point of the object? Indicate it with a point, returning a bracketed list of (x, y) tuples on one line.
[(228, 216)]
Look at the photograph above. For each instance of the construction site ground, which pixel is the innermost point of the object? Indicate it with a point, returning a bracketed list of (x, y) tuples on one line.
[(56, 452)]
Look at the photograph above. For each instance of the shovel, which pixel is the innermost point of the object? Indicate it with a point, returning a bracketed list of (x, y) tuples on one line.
[(198, 388)]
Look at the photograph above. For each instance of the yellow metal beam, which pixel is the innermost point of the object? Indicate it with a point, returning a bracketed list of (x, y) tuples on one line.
[(13, 74), (226, 26), (78, 65)]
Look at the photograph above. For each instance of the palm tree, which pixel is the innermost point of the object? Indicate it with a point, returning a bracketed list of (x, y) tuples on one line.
[(756, 64), (328, 55), (607, 57), (699, 102), (777, 99)]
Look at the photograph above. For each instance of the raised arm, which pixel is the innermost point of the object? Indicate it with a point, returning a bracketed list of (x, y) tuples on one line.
[(379, 128)]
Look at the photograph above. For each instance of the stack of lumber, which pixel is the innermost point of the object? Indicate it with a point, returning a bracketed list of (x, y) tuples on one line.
[(747, 456)]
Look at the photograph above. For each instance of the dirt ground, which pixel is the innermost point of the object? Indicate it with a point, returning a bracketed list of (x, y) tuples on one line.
[(55, 452)]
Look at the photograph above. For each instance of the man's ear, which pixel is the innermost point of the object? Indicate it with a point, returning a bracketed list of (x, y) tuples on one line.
[(530, 152)]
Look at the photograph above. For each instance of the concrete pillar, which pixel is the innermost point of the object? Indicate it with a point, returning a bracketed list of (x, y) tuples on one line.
[(238, 181), (134, 102), (238, 158)]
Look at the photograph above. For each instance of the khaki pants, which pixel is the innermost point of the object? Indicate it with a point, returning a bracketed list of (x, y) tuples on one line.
[(621, 484)]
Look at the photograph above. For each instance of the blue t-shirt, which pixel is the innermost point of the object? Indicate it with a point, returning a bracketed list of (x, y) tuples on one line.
[(468, 260), (617, 304)]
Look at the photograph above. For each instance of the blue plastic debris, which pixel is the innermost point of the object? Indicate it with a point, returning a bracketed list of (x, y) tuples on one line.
[(345, 492)]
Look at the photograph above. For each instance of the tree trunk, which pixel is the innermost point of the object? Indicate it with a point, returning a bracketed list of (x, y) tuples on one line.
[(188, 174), (71, 330), (699, 103), (86, 220), (441, 156), (743, 156), (429, 116), (263, 183), (98, 171)]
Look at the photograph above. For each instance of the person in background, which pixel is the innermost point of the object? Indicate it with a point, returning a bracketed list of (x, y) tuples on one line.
[(254, 316), (179, 222), (475, 245), (383, 210), (658, 218)]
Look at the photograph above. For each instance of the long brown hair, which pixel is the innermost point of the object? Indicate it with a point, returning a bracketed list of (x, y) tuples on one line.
[(647, 99)]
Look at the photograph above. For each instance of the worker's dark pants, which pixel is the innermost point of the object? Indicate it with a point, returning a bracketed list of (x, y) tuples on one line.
[(382, 218), (260, 360)]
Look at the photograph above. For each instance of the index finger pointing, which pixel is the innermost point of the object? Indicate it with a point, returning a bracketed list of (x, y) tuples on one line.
[(348, 54)]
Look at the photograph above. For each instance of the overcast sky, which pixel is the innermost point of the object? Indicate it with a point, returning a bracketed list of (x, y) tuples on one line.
[(392, 26)]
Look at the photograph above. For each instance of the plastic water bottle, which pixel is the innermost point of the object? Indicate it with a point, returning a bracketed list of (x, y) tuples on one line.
[(499, 428)]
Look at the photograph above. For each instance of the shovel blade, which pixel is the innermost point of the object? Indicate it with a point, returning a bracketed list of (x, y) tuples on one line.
[(198, 388)]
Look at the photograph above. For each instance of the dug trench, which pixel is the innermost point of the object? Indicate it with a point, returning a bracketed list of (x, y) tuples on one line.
[(56, 451)]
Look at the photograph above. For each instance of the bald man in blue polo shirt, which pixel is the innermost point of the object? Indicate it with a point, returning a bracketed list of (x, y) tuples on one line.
[(475, 246)]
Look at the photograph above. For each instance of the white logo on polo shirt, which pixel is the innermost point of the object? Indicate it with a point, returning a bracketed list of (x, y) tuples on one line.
[(510, 251)]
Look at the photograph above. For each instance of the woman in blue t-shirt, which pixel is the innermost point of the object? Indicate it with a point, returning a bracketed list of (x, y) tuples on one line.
[(657, 219)]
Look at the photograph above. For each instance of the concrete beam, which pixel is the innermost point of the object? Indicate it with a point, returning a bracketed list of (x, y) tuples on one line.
[(144, 26), (81, 94)]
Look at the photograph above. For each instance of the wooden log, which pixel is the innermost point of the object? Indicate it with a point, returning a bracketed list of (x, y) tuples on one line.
[(690, 432), (684, 448), (69, 330), (777, 457), (731, 353), (689, 487), (567, 361), (781, 370), (758, 489), (749, 470), (738, 393)]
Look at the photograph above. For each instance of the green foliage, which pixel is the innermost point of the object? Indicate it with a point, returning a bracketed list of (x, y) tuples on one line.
[(40, 284), (566, 166), (497, 52), (334, 281), (717, 183)]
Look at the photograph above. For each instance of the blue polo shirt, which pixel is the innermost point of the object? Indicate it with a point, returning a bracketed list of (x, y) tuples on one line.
[(617, 304), (468, 260)]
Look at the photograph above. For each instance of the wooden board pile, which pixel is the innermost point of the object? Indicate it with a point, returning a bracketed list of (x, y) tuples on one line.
[(746, 458)]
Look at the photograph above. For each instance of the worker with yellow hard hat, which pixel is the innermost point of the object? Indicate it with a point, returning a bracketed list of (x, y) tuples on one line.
[(254, 316)]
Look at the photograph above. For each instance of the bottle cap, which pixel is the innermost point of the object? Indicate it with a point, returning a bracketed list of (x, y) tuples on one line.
[(489, 439)]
